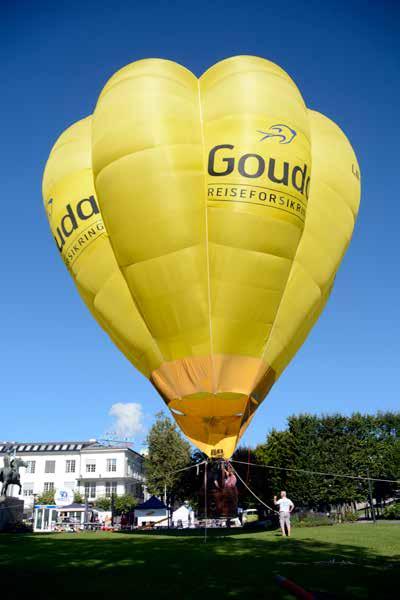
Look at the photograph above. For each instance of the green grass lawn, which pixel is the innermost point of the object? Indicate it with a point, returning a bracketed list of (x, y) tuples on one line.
[(353, 561)]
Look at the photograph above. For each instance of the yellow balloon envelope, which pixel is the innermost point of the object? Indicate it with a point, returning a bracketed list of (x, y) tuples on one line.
[(203, 221)]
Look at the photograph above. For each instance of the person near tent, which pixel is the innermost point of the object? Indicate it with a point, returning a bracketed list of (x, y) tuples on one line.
[(285, 508)]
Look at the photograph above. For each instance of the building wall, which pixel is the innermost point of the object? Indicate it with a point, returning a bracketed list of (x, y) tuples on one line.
[(94, 472)]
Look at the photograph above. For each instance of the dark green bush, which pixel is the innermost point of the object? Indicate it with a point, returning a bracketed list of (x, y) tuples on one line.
[(311, 520), (350, 516), (19, 527), (392, 511)]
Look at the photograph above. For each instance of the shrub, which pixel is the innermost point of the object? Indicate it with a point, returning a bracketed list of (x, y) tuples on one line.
[(46, 497), (392, 512), (19, 527), (311, 520), (350, 516)]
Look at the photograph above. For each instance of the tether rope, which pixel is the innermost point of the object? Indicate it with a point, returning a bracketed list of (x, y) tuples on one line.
[(186, 468), (251, 491), (360, 477)]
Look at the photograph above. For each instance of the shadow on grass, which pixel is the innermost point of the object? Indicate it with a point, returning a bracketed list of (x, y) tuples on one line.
[(180, 565)]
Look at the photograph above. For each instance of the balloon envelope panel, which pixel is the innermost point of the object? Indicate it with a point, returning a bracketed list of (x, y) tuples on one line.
[(77, 225)]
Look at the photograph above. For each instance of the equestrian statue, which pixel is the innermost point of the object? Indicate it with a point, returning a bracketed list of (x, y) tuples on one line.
[(9, 474)]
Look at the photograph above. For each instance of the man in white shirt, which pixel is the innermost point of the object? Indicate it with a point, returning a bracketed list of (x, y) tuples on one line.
[(285, 508)]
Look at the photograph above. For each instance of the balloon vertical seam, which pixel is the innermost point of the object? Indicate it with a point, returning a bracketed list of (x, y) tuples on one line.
[(214, 382)]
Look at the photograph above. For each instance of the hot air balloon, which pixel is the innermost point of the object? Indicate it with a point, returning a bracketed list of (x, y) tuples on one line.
[(203, 222)]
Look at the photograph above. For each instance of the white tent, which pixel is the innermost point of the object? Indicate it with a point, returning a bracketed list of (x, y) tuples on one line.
[(183, 516)]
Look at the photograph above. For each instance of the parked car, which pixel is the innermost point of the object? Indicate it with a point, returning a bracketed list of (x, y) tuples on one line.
[(250, 515)]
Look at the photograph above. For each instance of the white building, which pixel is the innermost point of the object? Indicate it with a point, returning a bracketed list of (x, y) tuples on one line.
[(90, 468)]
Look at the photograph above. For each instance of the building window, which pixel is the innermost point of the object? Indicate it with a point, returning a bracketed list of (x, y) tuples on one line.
[(49, 486), (111, 488), (90, 489), (111, 465), (70, 466), (64, 447), (31, 466), (90, 467), (27, 489), (57, 447), (50, 466)]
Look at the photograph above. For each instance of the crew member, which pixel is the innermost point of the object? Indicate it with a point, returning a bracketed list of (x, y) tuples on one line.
[(285, 508)]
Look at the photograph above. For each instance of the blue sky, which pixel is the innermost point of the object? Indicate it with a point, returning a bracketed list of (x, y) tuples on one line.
[(59, 372)]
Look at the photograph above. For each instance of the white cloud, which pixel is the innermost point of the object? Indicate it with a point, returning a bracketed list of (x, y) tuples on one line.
[(128, 419)]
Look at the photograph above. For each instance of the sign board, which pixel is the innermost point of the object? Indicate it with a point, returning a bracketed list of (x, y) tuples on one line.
[(63, 497)]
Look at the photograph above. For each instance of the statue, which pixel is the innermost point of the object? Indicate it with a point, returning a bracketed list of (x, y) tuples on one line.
[(11, 509), (9, 474)]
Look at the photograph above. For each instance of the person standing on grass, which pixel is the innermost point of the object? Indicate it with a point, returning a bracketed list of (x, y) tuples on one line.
[(285, 508)]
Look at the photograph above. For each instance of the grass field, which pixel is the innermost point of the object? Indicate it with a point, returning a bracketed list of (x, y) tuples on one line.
[(353, 561)]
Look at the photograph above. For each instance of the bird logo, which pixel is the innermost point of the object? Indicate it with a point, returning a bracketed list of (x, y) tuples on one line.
[(49, 207), (284, 133)]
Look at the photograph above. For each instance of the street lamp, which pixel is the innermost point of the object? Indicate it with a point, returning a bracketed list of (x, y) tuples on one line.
[(371, 500)]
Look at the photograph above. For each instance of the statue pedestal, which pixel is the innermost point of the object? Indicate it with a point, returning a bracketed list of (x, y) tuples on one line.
[(11, 512)]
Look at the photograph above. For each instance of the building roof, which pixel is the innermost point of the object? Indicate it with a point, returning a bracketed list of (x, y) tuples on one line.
[(63, 446), (60, 446), (111, 446), (151, 503)]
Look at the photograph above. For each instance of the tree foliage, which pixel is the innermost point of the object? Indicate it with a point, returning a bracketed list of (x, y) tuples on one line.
[(46, 497), (103, 503), (78, 498), (167, 452), (347, 445), (251, 478), (333, 444), (124, 503)]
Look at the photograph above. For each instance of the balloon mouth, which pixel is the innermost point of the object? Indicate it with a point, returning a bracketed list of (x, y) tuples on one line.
[(228, 387)]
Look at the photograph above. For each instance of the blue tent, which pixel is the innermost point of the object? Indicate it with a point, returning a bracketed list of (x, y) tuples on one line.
[(151, 504)]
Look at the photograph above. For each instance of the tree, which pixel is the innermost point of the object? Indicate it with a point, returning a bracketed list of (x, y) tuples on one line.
[(103, 503), (78, 498), (191, 480), (46, 497), (278, 451), (167, 453), (255, 478), (334, 444), (125, 503)]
